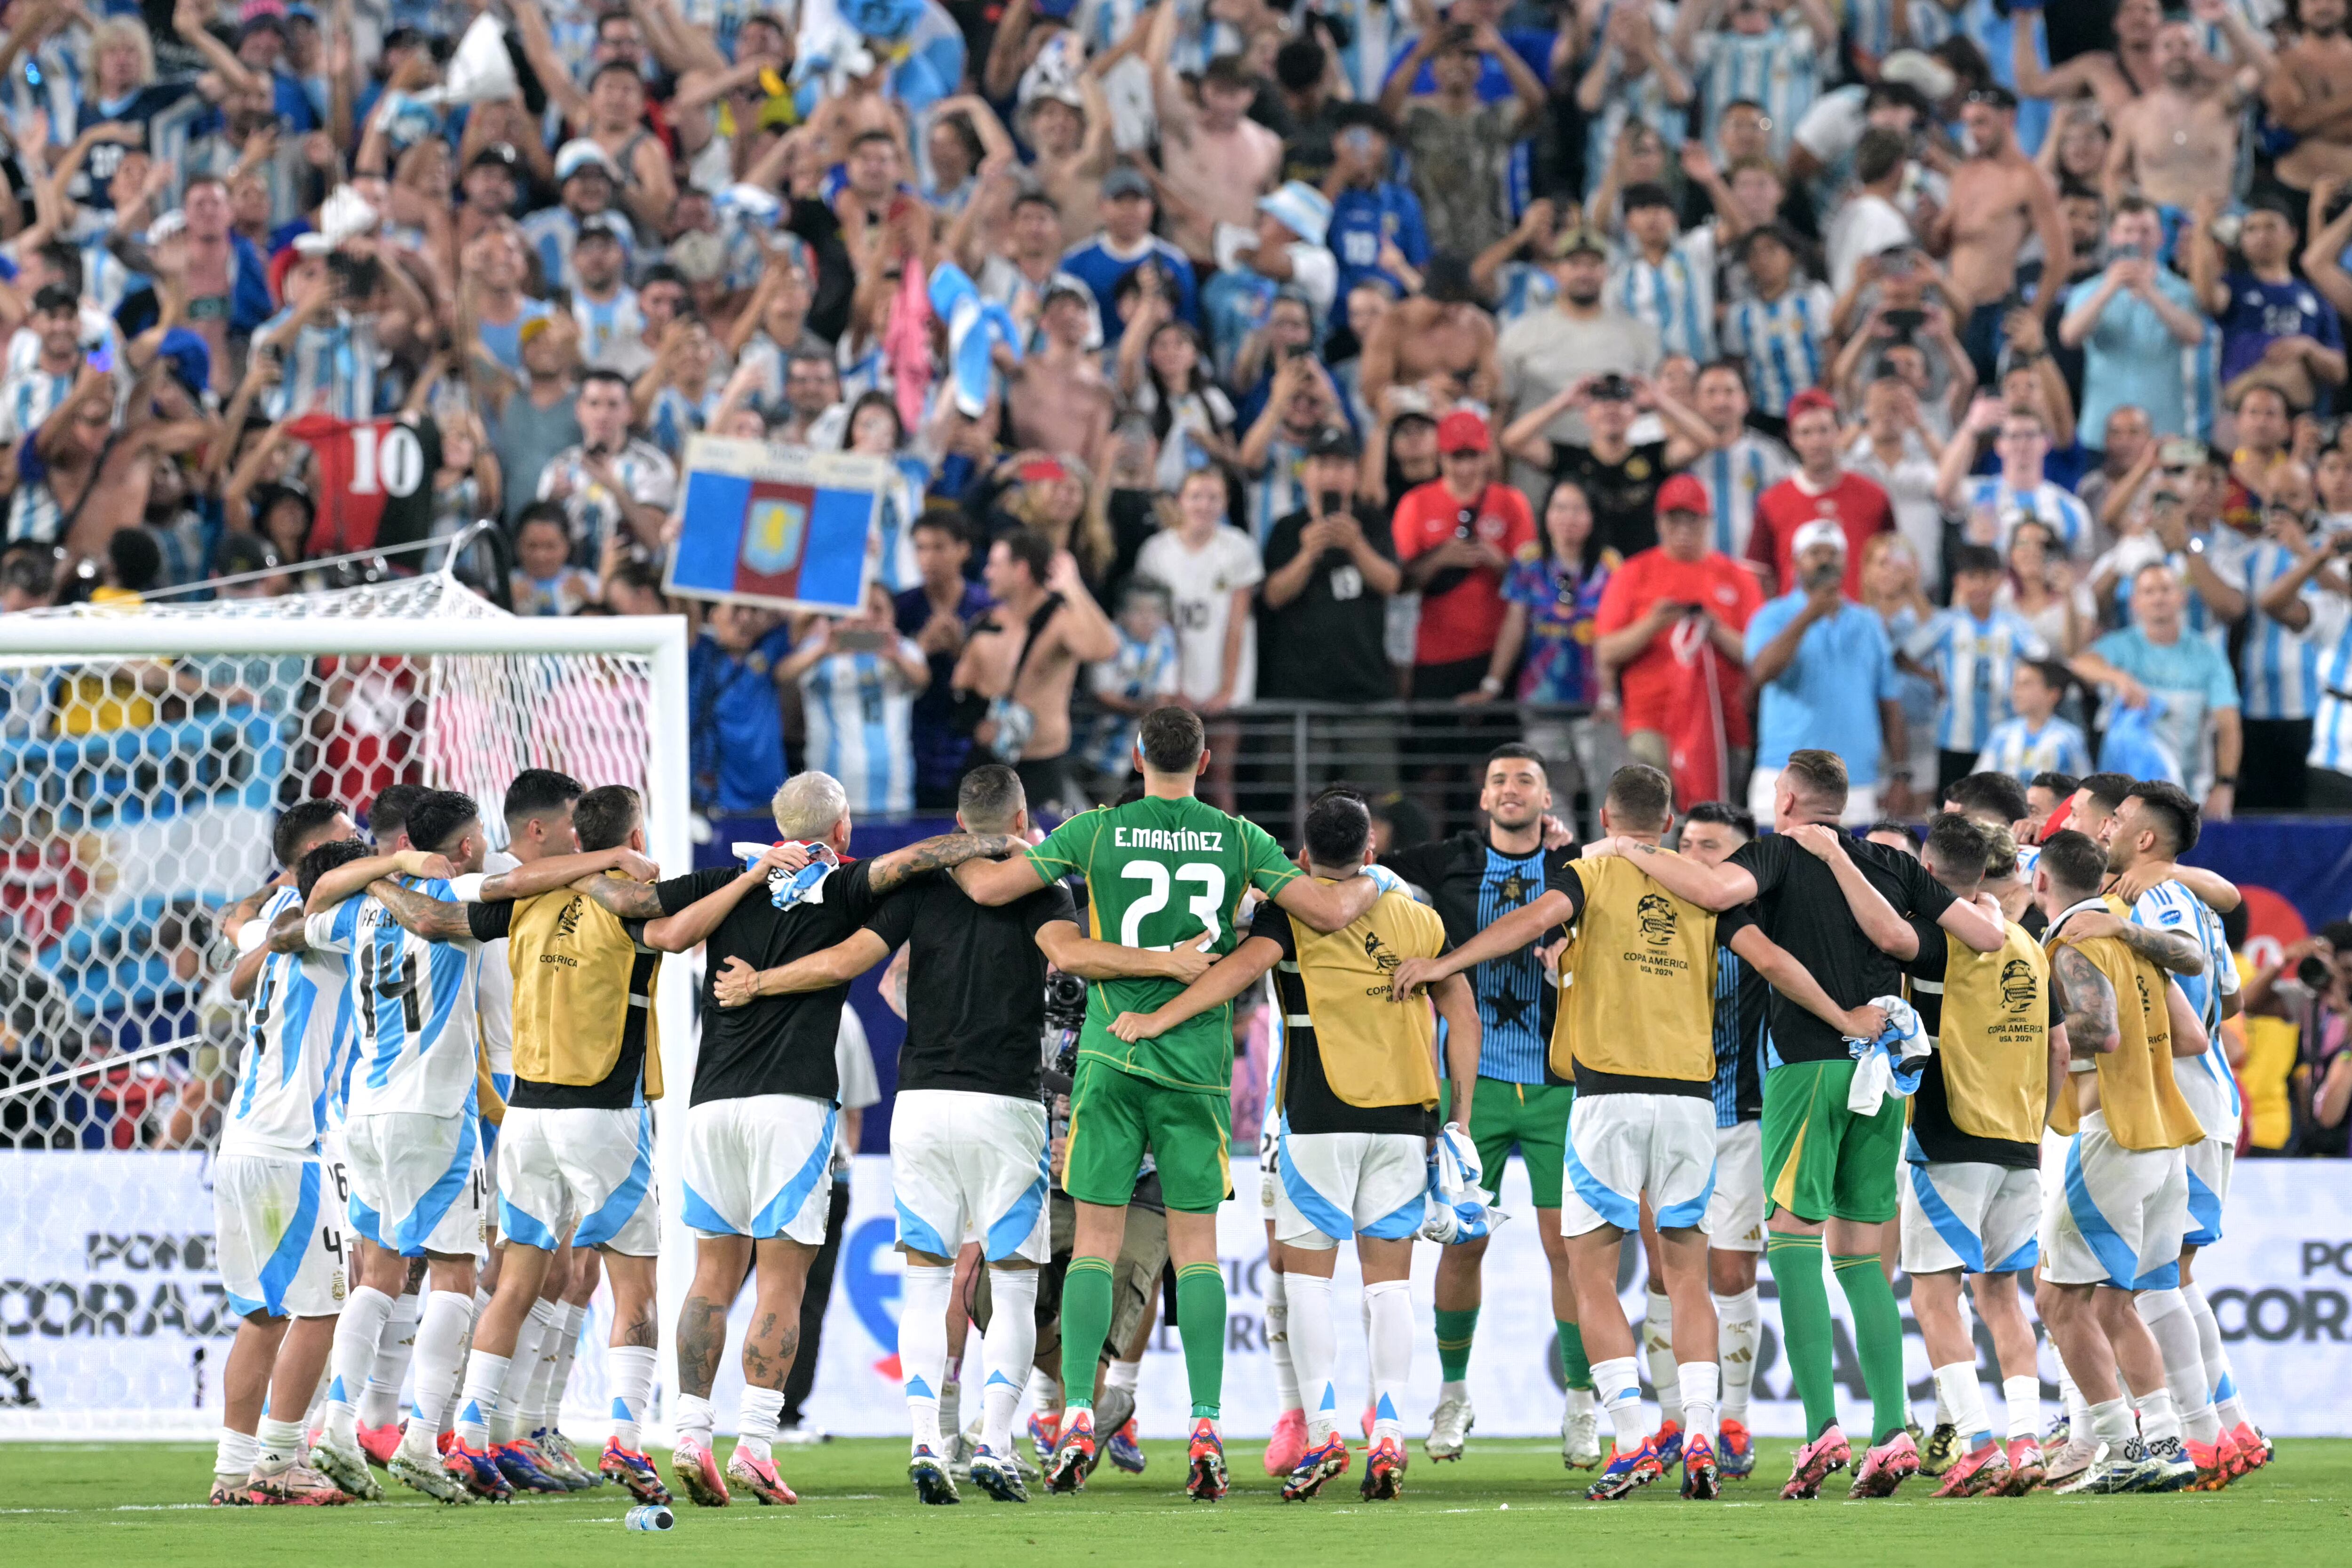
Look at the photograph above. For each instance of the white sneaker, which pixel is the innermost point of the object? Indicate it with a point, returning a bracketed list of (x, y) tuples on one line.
[(1449, 1423), (1579, 1438), (801, 1435)]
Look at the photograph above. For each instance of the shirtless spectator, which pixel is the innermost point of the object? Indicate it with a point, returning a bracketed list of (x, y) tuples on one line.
[(2276, 329), (81, 479), (1023, 659), (1441, 341), (2118, 78), (1998, 198), (1058, 400), (1219, 161), (1070, 127), (2310, 97), (2177, 141)]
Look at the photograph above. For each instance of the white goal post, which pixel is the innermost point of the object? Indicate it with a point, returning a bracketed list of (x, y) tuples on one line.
[(474, 674)]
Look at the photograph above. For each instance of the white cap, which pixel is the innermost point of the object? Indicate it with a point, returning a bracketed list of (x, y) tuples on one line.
[(1821, 531), (577, 154)]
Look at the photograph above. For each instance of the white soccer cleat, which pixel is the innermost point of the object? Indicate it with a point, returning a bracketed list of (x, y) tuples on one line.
[(428, 1475), (2118, 1468), (348, 1469), (1580, 1438), (1449, 1425)]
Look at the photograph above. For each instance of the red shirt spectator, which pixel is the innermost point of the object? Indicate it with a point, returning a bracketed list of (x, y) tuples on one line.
[(1819, 489), (1640, 628), (1455, 537)]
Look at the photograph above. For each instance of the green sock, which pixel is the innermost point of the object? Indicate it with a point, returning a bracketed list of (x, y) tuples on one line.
[(1575, 1366), (1878, 1340), (1086, 1323), (1796, 1264), (1201, 1319), (1454, 1332)]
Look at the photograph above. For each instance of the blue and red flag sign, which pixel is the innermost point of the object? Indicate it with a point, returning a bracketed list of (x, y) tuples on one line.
[(779, 526)]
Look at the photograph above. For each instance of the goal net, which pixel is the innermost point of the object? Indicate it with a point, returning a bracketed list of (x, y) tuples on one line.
[(145, 752)]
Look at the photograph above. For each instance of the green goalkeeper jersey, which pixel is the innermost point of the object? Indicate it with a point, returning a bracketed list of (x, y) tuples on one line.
[(1160, 872)]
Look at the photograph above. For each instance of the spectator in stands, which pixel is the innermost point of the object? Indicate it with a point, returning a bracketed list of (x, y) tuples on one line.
[(2180, 680), (2312, 598), (937, 612), (1971, 651), (2310, 986), (1821, 490), (2132, 322), (734, 673), (1619, 479), (1212, 570), (1992, 505), (1142, 675), (2034, 742), (1826, 671), (1460, 146), (1330, 567), (1547, 350), (858, 677)]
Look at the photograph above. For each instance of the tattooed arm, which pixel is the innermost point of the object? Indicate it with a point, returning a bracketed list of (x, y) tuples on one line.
[(352, 877), (285, 933), (435, 920), (687, 929), (944, 853), (2175, 952), (2089, 1001)]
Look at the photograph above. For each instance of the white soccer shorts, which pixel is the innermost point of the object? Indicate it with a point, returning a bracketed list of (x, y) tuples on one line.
[(279, 1238), (565, 1166), (1735, 1214), (1621, 1146), (490, 1131), (417, 1182), (1333, 1185), (2116, 1215), (2210, 1161), (760, 1167), (1969, 1216), (969, 1166)]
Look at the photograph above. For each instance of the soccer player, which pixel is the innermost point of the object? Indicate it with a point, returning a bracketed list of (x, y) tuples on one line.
[(281, 1251), (1162, 871), (2144, 840), (1972, 1191), (578, 1135), (967, 1128), (1356, 1103), (760, 1124), (2113, 1220), (410, 1137), (1830, 1170), (1473, 879), (1637, 1031)]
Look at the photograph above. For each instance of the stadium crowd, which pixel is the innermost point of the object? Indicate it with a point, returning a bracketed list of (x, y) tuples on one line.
[(1347, 353)]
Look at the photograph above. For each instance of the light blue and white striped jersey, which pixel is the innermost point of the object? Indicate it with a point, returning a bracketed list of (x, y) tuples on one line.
[(860, 713), (1674, 294), (1778, 68), (1277, 491), (2226, 552), (1785, 343), (724, 18), (415, 1007), (1735, 475), (2331, 721), (1521, 287), (1931, 22), (329, 369), (104, 279), (551, 232), (28, 397), (1626, 97), (2205, 1079), (58, 93), (1137, 671), (675, 416), (2278, 669), (298, 1031), (1975, 660), (2018, 749), (2062, 509), (606, 329)]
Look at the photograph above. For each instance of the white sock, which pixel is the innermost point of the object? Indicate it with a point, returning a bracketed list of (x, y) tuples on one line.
[(2166, 1315), (923, 1346), (1314, 1347), (280, 1443), (530, 1410), (1390, 1304), (695, 1419), (395, 1346), (441, 1332), (1277, 1345), (2159, 1417), (236, 1453), (1658, 1350), (1045, 1392), (531, 1334), (1122, 1375), (1738, 1323), (2228, 1407), (756, 1418), (1008, 1350), (1619, 1384), (1961, 1397), (1581, 1401), (477, 1402), (1699, 1382), (559, 1372), (2111, 1424), (2078, 1409), (2022, 1395), (630, 1370), (358, 1331), (1446, 1391)]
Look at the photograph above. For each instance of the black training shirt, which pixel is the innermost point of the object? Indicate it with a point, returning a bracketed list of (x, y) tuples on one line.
[(975, 984), (772, 1045), (1801, 906)]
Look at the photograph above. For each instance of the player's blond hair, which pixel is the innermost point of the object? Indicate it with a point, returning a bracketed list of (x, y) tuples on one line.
[(808, 805)]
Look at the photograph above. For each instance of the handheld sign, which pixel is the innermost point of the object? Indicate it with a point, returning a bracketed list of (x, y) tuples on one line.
[(780, 527)]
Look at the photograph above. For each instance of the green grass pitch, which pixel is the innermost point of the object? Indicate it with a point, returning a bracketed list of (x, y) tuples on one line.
[(63, 1505)]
